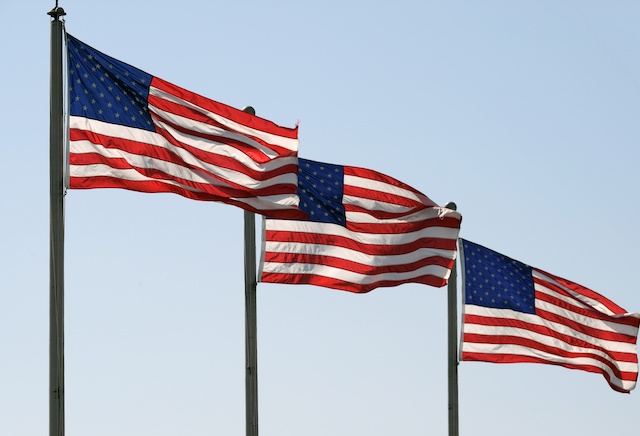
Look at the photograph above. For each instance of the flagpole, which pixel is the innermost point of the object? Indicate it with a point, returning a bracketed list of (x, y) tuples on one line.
[(452, 324), (56, 238), (251, 343)]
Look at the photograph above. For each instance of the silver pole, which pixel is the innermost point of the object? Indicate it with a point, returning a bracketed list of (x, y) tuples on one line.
[(56, 241), (251, 342), (452, 324)]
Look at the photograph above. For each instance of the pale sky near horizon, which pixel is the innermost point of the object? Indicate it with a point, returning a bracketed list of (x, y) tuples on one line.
[(526, 114)]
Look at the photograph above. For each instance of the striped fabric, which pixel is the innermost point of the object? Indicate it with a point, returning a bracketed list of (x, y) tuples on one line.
[(364, 230), (517, 313), (131, 130)]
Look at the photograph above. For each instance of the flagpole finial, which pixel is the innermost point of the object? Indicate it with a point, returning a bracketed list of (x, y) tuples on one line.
[(451, 205), (57, 12), (249, 110)]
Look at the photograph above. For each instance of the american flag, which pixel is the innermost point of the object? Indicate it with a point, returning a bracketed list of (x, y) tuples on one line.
[(363, 230), (516, 313), (131, 130)]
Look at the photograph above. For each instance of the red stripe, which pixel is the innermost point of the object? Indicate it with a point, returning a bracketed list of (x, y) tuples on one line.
[(333, 283), (380, 214), (395, 228)]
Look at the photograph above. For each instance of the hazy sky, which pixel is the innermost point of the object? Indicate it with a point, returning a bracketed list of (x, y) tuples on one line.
[(526, 114)]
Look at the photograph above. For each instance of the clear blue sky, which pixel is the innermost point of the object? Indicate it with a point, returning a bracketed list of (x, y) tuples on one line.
[(526, 114)]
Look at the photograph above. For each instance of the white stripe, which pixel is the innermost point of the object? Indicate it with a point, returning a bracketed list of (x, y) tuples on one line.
[(116, 131), (271, 202), (525, 351), (349, 276), (281, 141), (376, 205)]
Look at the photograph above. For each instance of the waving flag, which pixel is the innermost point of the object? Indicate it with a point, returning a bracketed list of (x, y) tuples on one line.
[(131, 130), (517, 313), (362, 230)]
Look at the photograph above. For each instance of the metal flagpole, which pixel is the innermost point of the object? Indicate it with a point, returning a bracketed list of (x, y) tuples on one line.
[(452, 324), (251, 343), (56, 241)]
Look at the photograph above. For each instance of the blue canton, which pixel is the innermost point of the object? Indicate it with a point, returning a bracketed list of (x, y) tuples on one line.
[(320, 188), (494, 280), (105, 89)]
